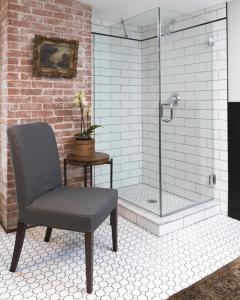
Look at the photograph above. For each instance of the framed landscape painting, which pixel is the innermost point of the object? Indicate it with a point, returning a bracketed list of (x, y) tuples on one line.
[(55, 57)]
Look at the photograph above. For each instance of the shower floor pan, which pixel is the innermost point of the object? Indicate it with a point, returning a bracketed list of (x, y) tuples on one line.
[(140, 204)]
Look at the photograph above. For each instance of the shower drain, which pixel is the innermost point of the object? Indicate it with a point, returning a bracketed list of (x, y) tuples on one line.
[(152, 201)]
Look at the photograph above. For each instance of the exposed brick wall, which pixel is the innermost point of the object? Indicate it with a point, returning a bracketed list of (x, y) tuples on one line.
[(3, 111), (44, 99)]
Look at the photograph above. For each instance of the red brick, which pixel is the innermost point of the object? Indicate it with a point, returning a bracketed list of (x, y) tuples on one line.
[(69, 3), (13, 91), (31, 106), (13, 61), (42, 12), (63, 126), (32, 3), (63, 85), (42, 84), (53, 106), (42, 113), (19, 8), (52, 7), (63, 16), (26, 61), (18, 23), (16, 53), (42, 99), (19, 114), (19, 84), (53, 92), (30, 92)]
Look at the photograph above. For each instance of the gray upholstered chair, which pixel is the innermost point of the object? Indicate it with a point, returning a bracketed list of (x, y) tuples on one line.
[(43, 200)]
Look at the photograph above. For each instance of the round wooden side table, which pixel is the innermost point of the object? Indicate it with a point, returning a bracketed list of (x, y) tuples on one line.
[(99, 158)]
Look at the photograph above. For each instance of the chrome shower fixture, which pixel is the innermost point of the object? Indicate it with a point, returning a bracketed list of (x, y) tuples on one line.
[(124, 28), (168, 27), (171, 103), (173, 99)]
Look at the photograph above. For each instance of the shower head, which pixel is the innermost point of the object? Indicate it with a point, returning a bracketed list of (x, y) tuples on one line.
[(124, 28), (168, 27)]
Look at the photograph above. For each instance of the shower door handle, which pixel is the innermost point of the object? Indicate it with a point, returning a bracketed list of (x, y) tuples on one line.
[(170, 118)]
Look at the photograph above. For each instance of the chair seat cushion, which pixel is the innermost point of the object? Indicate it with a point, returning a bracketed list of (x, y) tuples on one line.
[(72, 208)]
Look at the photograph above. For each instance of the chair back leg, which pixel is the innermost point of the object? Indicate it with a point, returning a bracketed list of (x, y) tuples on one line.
[(89, 240), (113, 222), (48, 234), (20, 234)]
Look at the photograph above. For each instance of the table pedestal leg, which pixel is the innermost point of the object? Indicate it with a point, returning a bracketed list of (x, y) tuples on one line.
[(91, 177), (85, 176), (111, 174), (65, 171)]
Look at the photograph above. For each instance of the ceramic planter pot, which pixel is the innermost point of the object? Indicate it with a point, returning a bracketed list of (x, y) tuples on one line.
[(84, 147)]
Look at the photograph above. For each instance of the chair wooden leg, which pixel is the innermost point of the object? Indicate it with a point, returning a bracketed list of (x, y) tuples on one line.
[(48, 234), (113, 222), (20, 234), (89, 237), (111, 219)]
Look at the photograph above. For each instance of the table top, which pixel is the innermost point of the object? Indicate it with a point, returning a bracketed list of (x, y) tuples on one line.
[(98, 158)]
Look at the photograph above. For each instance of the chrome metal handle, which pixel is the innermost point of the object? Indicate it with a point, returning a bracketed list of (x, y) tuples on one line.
[(171, 106)]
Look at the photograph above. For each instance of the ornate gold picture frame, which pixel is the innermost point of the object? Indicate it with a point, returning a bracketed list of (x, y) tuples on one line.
[(55, 57)]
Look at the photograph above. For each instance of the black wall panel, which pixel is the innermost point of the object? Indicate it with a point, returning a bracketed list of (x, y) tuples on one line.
[(234, 160)]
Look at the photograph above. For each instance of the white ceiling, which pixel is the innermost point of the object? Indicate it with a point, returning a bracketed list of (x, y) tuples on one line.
[(115, 9)]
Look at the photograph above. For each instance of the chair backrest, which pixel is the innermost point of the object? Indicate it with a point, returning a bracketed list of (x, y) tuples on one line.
[(35, 160)]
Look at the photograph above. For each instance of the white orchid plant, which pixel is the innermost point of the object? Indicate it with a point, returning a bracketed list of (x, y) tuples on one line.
[(86, 130)]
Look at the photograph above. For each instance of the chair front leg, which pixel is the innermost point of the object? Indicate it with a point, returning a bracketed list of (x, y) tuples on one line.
[(48, 234), (114, 223), (89, 241), (20, 234)]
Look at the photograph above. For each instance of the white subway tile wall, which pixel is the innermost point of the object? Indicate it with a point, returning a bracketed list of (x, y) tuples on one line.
[(126, 92), (117, 93)]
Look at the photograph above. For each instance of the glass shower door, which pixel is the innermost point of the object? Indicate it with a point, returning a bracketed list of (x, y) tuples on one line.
[(186, 106)]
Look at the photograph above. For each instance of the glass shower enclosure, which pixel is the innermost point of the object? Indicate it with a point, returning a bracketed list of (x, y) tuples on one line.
[(153, 99)]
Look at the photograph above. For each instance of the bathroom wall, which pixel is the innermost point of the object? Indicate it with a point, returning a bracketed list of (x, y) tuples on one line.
[(234, 50), (234, 107), (3, 111)]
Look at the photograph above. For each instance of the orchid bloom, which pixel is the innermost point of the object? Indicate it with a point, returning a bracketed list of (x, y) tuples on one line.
[(86, 130), (80, 99)]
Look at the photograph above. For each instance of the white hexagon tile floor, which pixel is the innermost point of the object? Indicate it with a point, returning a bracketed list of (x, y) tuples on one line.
[(145, 267)]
